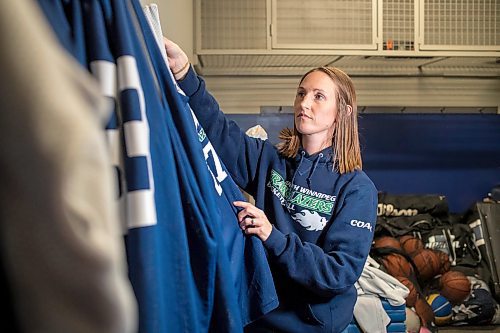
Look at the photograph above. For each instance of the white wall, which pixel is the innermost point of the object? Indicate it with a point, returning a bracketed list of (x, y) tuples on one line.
[(177, 22)]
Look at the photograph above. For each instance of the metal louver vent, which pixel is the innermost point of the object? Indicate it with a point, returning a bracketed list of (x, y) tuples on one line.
[(238, 61), (233, 24)]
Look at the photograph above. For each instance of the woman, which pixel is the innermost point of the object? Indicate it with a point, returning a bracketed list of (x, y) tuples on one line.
[(315, 209)]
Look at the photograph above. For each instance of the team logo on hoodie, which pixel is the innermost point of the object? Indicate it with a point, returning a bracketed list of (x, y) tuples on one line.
[(294, 195), (311, 221)]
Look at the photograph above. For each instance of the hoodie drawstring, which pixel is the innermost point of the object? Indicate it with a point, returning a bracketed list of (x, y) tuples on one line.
[(302, 153), (316, 161)]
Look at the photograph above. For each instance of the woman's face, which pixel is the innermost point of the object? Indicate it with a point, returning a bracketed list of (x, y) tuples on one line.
[(315, 106)]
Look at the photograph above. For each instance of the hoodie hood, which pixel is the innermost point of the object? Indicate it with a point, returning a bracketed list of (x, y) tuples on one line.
[(325, 155), (308, 164)]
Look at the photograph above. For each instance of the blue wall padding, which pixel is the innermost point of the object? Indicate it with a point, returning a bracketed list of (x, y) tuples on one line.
[(456, 155)]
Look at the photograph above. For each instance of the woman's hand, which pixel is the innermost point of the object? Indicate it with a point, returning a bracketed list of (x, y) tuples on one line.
[(253, 221), (177, 60)]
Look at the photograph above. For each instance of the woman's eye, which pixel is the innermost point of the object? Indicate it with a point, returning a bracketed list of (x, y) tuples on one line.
[(319, 97), (300, 94)]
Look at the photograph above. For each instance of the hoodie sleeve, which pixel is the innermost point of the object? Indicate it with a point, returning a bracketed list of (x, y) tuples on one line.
[(337, 265), (239, 152)]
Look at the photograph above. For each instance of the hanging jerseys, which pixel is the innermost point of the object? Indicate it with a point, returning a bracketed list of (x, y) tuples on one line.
[(186, 276)]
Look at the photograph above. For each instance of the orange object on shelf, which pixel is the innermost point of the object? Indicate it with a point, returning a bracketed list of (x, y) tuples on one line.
[(390, 44)]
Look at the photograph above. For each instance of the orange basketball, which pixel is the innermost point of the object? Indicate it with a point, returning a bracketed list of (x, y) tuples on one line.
[(427, 263), (412, 295), (411, 244), (455, 286), (397, 265), (424, 311), (386, 241), (444, 259)]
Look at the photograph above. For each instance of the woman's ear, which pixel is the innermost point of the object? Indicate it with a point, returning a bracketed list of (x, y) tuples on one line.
[(348, 109), (344, 106)]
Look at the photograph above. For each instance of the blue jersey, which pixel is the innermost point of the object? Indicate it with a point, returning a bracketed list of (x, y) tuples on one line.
[(252, 277)]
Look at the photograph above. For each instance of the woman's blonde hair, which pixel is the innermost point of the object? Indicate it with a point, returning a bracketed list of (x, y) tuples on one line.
[(345, 140)]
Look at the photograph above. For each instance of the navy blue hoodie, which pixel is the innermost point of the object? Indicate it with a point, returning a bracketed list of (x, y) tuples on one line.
[(323, 222)]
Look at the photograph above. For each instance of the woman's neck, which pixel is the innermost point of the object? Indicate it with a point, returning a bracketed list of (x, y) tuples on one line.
[(313, 145)]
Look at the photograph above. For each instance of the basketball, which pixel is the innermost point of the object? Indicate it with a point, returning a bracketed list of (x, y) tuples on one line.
[(411, 244), (412, 321), (441, 307), (445, 261), (386, 241), (427, 263), (412, 295), (397, 265), (424, 311), (455, 286)]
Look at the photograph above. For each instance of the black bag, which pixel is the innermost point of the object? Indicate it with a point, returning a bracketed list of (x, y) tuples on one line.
[(405, 225), (488, 225), (458, 241), (391, 205)]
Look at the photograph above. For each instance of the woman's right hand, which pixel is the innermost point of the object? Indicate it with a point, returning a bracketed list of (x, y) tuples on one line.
[(177, 60), (253, 221)]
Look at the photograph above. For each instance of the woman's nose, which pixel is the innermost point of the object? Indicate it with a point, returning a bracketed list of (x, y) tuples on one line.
[(306, 102)]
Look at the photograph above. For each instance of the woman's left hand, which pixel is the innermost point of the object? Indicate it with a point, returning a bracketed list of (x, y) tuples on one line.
[(253, 221)]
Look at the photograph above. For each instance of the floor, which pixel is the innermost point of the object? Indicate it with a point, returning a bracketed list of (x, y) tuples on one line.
[(470, 329)]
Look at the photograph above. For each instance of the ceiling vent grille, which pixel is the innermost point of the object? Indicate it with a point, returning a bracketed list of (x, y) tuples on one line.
[(461, 24), (398, 25), (233, 24), (323, 23), (363, 37)]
